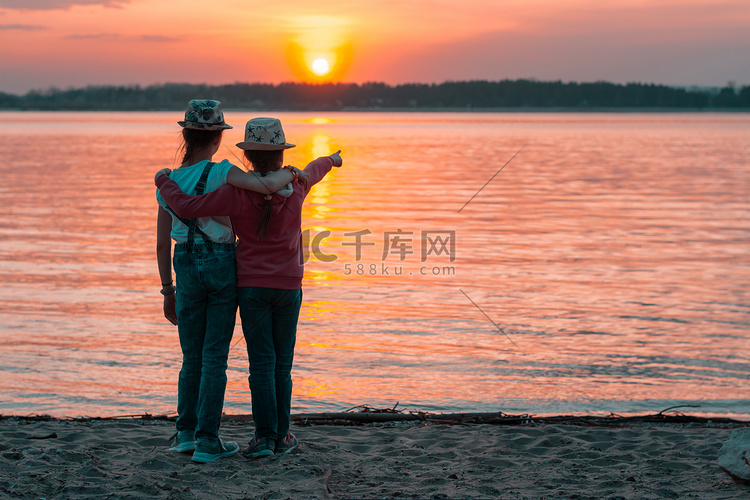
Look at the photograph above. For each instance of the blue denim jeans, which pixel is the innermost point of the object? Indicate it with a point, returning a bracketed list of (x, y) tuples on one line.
[(206, 307), (269, 323)]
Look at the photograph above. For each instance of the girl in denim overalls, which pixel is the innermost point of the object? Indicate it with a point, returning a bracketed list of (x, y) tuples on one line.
[(203, 305)]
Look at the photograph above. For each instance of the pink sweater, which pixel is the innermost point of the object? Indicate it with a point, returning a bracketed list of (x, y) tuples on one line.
[(275, 262)]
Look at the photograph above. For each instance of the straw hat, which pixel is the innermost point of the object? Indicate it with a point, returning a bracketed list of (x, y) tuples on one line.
[(264, 134), (204, 114)]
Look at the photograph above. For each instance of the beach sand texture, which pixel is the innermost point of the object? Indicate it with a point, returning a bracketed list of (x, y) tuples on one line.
[(130, 459)]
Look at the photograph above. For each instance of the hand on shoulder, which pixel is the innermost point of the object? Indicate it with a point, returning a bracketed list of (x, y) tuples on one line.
[(302, 177), (163, 171)]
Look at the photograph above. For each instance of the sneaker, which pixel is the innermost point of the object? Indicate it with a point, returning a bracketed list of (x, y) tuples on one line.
[(182, 441), (287, 444), (208, 452), (259, 447)]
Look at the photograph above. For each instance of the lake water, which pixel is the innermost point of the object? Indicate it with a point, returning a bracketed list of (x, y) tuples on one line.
[(606, 268)]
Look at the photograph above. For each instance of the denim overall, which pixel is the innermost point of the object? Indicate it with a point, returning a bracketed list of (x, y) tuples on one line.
[(206, 306)]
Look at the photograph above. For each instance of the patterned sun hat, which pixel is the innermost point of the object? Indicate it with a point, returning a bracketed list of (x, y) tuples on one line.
[(204, 114), (264, 134)]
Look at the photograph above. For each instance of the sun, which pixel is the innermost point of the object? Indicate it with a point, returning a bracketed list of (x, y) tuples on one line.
[(318, 48), (321, 66)]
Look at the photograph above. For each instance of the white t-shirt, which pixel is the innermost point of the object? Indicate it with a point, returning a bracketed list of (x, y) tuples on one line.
[(219, 229)]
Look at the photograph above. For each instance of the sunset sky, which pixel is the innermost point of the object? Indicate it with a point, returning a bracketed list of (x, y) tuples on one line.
[(64, 43)]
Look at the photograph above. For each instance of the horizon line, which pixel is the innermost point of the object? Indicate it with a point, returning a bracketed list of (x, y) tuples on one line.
[(53, 88)]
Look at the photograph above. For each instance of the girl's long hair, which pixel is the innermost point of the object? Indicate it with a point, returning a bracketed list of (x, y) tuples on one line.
[(194, 140), (264, 162)]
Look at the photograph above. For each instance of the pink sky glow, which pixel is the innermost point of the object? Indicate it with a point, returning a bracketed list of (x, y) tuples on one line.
[(74, 43)]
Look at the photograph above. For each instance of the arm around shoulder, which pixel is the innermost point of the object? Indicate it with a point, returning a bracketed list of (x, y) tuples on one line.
[(252, 182), (227, 200)]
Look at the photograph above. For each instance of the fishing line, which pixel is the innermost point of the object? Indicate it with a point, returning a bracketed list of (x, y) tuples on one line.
[(485, 184), (491, 321)]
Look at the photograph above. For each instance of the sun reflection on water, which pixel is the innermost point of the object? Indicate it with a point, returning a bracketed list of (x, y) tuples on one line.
[(321, 145)]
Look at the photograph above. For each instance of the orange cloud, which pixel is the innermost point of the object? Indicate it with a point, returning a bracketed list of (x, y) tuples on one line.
[(21, 27), (57, 4)]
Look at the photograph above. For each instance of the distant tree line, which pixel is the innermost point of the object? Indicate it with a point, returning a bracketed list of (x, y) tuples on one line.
[(474, 95)]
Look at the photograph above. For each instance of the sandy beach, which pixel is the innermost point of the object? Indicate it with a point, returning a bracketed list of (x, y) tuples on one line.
[(128, 458)]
